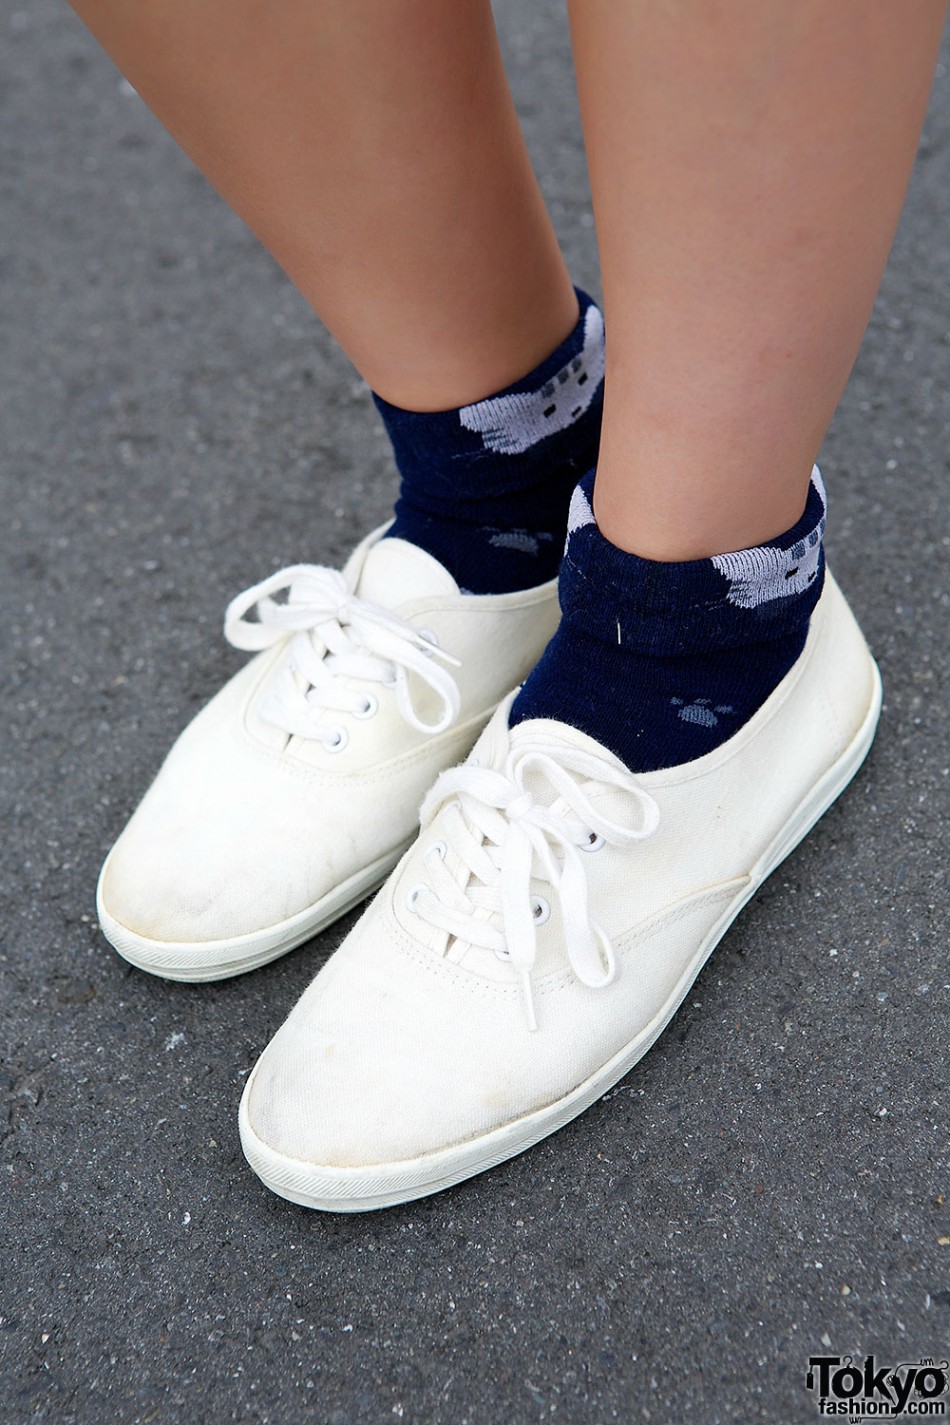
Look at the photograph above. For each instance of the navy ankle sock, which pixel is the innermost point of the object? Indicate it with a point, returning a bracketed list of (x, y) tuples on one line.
[(486, 488), (663, 662)]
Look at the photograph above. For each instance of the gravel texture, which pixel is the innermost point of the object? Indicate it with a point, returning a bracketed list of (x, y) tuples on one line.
[(770, 1183)]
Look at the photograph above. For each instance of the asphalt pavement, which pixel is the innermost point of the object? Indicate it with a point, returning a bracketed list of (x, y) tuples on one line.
[(772, 1182)]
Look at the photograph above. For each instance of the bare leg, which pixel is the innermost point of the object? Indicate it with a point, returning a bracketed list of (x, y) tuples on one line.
[(748, 160), (373, 147)]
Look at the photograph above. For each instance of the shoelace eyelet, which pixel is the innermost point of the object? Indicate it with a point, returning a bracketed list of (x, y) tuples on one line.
[(369, 708), (332, 632), (540, 910), (429, 637), (593, 843), (438, 848), (336, 741), (412, 897)]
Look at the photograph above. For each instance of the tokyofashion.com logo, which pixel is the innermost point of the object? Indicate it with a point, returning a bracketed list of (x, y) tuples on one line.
[(856, 1389)]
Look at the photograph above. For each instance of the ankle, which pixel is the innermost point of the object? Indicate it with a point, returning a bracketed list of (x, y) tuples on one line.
[(661, 662), (485, 488)]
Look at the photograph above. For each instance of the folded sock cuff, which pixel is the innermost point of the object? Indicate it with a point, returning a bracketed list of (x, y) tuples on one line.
[(661, 608), (477, 451)]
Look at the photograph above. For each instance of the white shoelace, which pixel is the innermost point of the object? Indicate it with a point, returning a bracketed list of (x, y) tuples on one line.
[(504, 837), (338, 635)]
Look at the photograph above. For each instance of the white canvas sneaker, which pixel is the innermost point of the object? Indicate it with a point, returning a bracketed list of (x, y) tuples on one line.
[(296, 790), (539, 936)]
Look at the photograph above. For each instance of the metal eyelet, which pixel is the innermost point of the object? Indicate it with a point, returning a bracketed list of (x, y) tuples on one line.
[(593, 842), (413, 896), (370, 706), (439, 848), (337, 740), (540, 910)]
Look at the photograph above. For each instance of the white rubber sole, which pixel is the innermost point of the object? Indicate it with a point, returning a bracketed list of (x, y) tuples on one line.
[(387, 1184), (201, 962)]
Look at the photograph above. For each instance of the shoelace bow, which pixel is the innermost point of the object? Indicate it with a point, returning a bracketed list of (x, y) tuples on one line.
[(338, 635), (504, 837)]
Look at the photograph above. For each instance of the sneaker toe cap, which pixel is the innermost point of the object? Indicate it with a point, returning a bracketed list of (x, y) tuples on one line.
[(202, 882), (369, 1071), (231, 840)]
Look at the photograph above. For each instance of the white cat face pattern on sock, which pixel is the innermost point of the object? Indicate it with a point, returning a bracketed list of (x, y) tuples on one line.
[(580, 512), (514, 423), (763, 573)]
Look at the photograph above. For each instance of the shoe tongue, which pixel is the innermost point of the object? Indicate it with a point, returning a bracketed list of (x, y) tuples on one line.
[(395, 572)]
